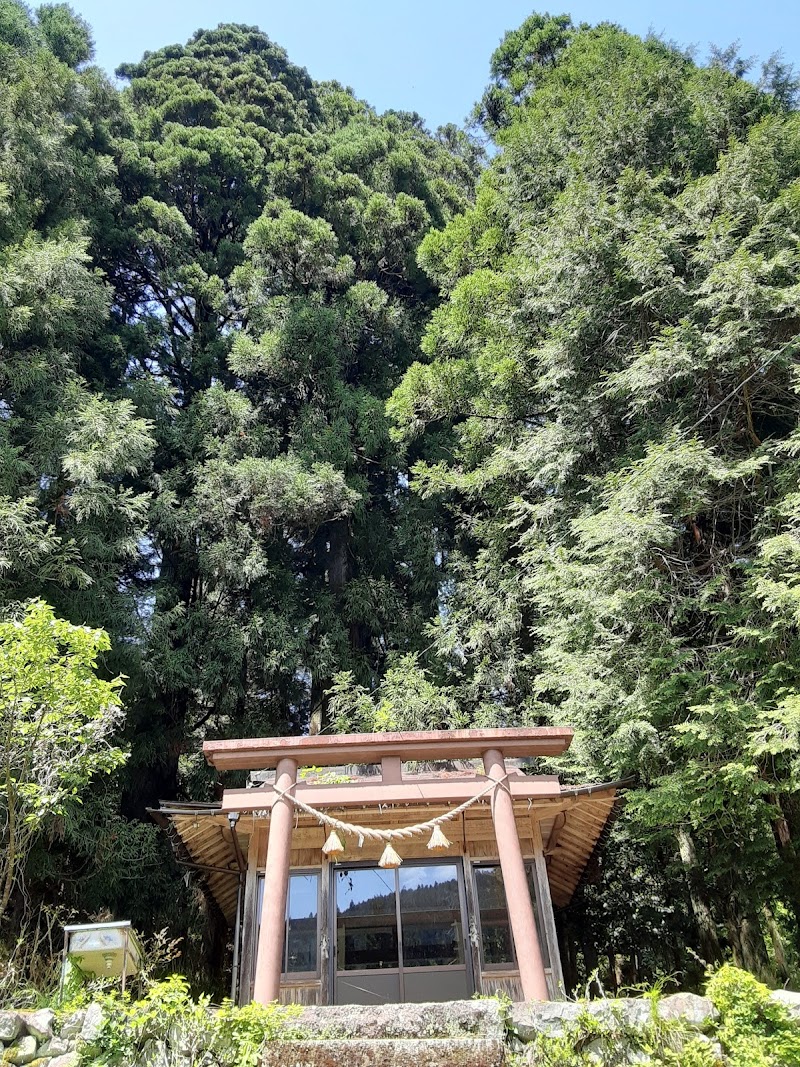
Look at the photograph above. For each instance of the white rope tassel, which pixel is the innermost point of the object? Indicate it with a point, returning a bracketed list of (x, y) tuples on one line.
[(333, 846), (390, 858), (438, 839)]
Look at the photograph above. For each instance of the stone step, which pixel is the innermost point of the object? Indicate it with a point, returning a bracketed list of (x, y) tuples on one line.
[(462, 1033), (386, 1052), (452, 1019)]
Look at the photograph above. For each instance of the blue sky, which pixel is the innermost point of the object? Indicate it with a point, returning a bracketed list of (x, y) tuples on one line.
[(429, 56)]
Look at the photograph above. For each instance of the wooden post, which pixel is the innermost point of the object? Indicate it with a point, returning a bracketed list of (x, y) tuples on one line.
[(518, 897), (473, 939), (391, 770), (545, 902), (276, 887), (125, 958), (247, 962), (326, 933)]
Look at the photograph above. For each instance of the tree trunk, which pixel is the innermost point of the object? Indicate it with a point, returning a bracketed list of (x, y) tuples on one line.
[(338, 555), (566, 946), (336, 541), (709, 946), (747, 938), (706, 927), (591, 963), (317, 713), (785, 830), (778, 952), (756, 958), (161, 717), (734, 940)]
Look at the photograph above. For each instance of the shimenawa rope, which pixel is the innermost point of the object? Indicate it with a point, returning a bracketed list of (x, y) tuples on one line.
[(399, 832)]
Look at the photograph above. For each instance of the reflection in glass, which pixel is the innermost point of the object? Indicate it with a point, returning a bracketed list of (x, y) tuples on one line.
[(430, 913), (301, 933), (366, 919), (496, 944), (300, 953), (495, 928)]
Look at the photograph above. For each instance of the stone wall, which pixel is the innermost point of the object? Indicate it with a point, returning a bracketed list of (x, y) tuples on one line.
[(552, 1018), (477, 1033), (41, 1039)]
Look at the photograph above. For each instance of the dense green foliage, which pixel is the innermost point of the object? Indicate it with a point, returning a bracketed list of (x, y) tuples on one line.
[(616, 361), (208, 291), (165, 1022), (264, 265), (327, 423)]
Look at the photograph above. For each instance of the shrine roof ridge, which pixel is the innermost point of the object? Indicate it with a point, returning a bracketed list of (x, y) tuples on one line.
[(326, 750)]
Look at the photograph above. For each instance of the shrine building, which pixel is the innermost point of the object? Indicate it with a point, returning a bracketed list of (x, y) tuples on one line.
[(382, 868)]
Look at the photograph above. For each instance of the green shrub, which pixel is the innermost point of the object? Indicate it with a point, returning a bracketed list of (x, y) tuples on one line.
[(754, 1030), (167, 1025), (239, 1033)]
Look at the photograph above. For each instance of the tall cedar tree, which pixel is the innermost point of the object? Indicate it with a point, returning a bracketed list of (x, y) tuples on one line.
[(263, 260), (208, 291), (616, 360), (75, 454)]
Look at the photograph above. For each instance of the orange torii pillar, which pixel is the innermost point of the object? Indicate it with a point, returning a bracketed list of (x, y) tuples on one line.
[(269, 959), (518, 897)]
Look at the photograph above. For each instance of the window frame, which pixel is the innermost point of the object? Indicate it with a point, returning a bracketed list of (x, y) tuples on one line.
[(294, 976), (513, 965), (462, 875)]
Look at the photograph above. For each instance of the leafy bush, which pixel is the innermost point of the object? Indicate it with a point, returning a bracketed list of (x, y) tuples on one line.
[(755, 1031), (168, 1027), (30, 958), (240, 1032)]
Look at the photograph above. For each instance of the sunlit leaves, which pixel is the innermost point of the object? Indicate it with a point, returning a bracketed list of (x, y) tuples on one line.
[(57, 721)]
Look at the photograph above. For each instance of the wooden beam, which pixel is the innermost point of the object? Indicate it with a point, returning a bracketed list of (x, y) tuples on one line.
[(368, 793), (332, 750), (555, 833)]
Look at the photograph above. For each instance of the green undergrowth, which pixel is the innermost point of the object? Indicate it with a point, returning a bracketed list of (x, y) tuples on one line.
[(168, 1026), (752, 1031), (590, 1043)]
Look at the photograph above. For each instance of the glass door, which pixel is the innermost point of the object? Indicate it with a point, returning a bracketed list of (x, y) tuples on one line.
[(434, 965), (367, 954), (400, 934)]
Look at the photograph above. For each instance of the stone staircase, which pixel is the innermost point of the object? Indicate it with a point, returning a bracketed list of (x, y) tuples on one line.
[(455, 1034)]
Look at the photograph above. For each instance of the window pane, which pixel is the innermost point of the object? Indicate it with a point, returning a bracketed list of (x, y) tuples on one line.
[(302, 933), (430, 913), (302, 936), (366, 919), (495, 928)]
